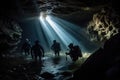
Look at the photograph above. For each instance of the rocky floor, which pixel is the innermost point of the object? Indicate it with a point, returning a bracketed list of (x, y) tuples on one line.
[(52, 68)]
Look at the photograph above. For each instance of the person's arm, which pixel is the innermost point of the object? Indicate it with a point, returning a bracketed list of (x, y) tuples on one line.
[(31, 50)]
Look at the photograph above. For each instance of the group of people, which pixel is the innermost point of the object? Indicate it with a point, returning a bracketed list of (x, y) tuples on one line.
[(37, 50)]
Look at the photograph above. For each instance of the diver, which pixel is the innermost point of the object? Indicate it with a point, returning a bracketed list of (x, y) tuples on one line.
[(56, 48), (26, 47), (74, 52), (37, 51)]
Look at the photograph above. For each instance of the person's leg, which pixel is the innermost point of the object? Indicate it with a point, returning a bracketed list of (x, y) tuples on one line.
[(55, 53), (25, 52), (39, 57), (75, 58), (72, 57), (58, 53), (32, 56), (28, 52), (35, 57)]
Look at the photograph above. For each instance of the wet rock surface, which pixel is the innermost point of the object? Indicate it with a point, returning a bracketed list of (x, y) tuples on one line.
[(25, 68), (47, 75), (104, 64)]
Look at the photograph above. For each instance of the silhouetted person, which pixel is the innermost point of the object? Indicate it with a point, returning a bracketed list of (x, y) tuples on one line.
[(56, 47), (26, 47), (37, 51), (74, 52)]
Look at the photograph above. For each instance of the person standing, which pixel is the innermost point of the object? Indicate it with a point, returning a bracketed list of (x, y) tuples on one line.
[(26, 47), (37, 51), (56, 48)]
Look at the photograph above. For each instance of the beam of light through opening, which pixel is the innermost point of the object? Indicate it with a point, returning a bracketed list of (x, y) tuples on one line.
[(76, 31), (72, 28), (64, 32), (39, 32), (64, 36), (50, 34), (46, 29)]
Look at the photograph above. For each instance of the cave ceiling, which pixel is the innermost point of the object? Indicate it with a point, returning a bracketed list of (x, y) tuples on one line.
[(72, 8)]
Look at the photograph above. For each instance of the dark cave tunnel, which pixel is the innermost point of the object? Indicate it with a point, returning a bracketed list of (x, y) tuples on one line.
[(91, 25)]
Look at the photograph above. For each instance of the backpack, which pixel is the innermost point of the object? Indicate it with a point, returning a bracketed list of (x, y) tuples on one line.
[(77, 51)]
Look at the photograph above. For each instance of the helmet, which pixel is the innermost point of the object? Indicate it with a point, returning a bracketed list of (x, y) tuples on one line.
[(70, 45)]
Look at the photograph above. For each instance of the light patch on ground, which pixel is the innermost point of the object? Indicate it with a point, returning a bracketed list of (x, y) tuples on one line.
[(86, 55)]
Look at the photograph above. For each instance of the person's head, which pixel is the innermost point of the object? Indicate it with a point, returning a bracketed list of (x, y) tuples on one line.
[(70, 45), (54, 41)]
